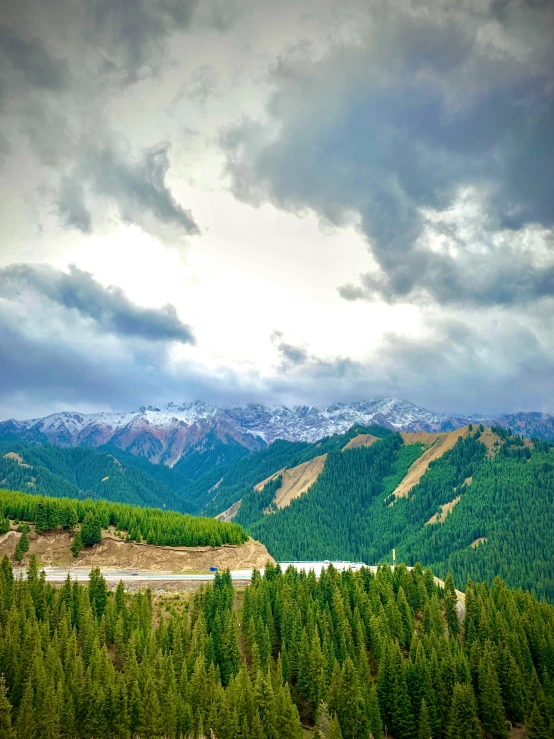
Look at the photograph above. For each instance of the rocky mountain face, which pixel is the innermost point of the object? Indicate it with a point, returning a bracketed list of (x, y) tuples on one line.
[(171, 432)]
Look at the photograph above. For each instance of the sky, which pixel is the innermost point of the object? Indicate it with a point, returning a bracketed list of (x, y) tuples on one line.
[(293, 202)]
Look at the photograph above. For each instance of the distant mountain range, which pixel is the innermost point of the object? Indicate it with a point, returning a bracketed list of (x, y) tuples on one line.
[(200, 435)]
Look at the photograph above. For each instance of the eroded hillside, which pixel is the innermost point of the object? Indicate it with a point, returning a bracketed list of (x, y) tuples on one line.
[(55, 549)]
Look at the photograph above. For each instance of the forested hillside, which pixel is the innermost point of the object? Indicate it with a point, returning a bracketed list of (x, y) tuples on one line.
[(351, 655), (214, 492), (501, 518), (88, 473), (151, 525)]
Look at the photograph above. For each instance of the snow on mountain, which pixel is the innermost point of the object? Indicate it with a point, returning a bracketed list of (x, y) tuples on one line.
[(166, 433)]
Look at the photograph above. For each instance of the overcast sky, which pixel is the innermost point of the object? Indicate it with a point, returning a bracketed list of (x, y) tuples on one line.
[(300, 201)]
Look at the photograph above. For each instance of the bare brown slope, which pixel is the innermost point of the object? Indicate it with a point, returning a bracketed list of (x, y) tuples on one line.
[(16, 458), (296, 481), (54, 549), (360, 440), (445, 510), (438, 445), (230, 513)]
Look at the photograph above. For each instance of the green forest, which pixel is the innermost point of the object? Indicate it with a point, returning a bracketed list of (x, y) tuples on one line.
[(215, 492), (506, 501), (151, 525), (351, 655), (350, 512), (88, 473)]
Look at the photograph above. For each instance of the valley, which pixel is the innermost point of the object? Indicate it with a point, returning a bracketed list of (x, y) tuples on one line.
[(477, 501), (314, 646)]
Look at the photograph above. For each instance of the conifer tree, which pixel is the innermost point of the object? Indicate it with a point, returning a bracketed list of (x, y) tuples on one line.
[(22, 547), (490, 699), (374, 715), (334, 731), (6, 729), (230, 659), (41, 516), (464, 723), (77, 544), (151, 720), (350, 710), (91, 532), (450, 601), (50, 724), (536, 725), (424, 731), (26, 724), (97, 592)]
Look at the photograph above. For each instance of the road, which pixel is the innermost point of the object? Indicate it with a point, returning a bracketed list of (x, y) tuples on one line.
[(59, 574)]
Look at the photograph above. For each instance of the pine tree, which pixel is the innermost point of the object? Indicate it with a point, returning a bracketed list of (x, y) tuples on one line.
[(536, 725), (464, 723), (77, 544), (91, 532), (450, 602), (50, 723), (26, 724), (22, 547), (490, 699), (151, 720), (230, 659), (6, 729), (424, 723), (374, 715), (351, 713), (97, 591), (41, 516), (334, 731)]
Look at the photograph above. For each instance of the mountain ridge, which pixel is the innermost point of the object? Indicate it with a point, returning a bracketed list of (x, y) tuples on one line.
[(169, 433)]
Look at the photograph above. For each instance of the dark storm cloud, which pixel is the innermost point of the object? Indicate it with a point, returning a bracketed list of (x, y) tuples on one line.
[(71, 205), (130, 33), (62, 65), (36, 369), (295, 355), (454, 367), (502, 277), (138, 189), (30, 58), (55, 373), (399, 125), (108, 307)]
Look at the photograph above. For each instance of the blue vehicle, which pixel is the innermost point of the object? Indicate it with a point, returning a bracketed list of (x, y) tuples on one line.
[(213, 569)]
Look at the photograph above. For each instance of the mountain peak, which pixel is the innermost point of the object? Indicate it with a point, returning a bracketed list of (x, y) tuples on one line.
[(164, 433)]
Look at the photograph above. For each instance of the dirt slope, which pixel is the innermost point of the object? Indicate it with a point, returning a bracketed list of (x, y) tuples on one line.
[(480, 540), (439, 444), (17, 458), (261, 485), (489, 438), (296, 481), (54, 549), (445, 510), (360, 440), (230, 513)]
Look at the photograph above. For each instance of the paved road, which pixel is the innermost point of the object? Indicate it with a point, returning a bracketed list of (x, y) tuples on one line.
[(59, 574)]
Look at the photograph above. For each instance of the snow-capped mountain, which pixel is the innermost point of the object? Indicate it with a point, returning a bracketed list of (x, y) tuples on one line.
[(166, 433)]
